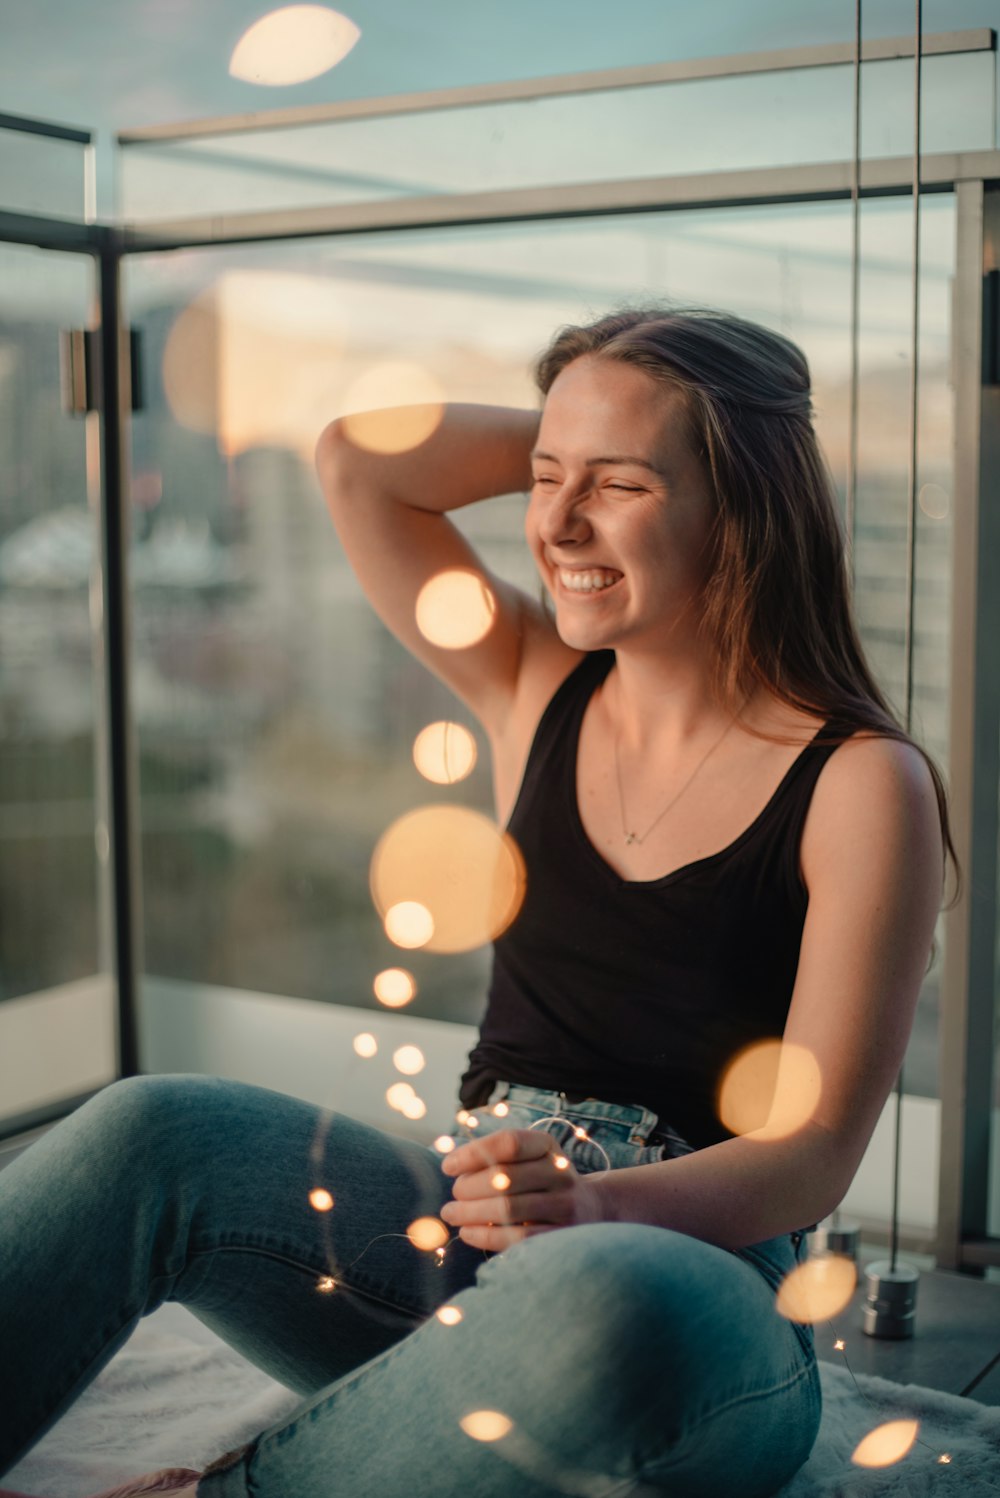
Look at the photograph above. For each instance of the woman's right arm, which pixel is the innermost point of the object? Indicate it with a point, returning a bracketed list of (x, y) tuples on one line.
[(390, 511)]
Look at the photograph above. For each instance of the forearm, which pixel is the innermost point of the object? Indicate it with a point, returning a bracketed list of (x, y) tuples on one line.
[(732, 1194), (474, 453)]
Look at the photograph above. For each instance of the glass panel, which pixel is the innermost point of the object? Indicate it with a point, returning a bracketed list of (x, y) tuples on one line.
[(276, 714), (41, 174), (56, 1035), (717, 124)]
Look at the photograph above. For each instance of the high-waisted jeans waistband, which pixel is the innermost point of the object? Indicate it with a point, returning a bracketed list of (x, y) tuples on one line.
[(617, 1123)]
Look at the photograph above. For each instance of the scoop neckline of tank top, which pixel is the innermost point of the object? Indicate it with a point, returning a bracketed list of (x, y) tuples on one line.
[(696, 863)]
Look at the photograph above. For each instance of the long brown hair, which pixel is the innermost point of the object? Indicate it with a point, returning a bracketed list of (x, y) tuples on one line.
[(777, 605)]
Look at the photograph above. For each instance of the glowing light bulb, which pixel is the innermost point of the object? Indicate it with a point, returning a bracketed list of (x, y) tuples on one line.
[(444, 752), (393, 407), (292, 44), (486, 1425), (409, 1059), (501, 1110), (449, 1315), (886, 1444), (394, 987), (326, 1283), (561, 1163), (838, 1346), (446, 878), (409, 924), (365, 1045), (427, 1233), (500, 1181), (320, 1199), (455, 609), (444, 1144), (818, 1289), (580, 1133), (770, 1090), (944, 1459)]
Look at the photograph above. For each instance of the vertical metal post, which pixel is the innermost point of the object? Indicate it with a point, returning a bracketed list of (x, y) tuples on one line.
[(115, 401), (968, 972)]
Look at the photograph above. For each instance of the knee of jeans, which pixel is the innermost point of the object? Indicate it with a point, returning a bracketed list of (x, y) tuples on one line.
[(621, 1290), (139, 1115)]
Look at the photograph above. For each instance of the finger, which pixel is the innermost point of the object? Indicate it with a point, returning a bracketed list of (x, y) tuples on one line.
[(494, 1239), (513, 1178), (503, 1147), (540, 1206)]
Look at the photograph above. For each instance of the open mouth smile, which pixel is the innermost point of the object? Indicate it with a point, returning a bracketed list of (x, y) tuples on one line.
[(587, 580)]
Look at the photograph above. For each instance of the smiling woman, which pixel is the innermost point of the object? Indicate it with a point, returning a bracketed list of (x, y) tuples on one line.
[(728, 861)]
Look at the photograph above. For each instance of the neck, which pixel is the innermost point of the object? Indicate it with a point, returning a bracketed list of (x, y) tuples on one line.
[(653, 701)]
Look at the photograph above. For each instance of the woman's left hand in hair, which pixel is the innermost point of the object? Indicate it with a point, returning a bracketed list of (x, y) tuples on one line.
[(513, 1184)]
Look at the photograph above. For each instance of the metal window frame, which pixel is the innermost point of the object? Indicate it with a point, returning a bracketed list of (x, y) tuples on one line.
[(968, 972)]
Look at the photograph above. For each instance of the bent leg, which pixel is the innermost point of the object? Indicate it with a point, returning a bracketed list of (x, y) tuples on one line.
[(198, 1190), (611, 1359)]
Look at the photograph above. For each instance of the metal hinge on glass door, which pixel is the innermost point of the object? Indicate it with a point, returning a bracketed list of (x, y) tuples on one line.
[(79, 370)]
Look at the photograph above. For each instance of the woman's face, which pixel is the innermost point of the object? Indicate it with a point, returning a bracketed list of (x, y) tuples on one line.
[(621, 508)]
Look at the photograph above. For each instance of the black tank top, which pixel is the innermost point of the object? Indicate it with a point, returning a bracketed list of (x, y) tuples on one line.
[(640, 991)]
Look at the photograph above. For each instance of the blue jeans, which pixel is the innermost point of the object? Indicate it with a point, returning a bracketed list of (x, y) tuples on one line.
[(629, 1359)]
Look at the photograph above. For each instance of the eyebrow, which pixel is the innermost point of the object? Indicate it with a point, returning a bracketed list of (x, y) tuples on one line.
[(599, 462)]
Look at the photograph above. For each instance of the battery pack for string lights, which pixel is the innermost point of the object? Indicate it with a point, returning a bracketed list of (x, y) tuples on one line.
[(890, 1306)]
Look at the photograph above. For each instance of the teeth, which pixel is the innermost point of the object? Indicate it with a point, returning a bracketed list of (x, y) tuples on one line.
[(588, 582)]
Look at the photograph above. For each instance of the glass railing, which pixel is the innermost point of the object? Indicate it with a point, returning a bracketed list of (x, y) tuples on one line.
[(45, 169), (683, 127)]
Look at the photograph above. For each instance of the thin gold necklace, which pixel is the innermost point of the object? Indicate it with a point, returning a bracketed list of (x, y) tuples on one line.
[(633, 837)]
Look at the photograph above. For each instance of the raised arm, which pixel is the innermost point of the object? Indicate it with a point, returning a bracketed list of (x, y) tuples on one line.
[(390, 511)]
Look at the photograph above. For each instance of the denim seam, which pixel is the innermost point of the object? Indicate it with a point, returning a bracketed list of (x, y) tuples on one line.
[(356, 1287)]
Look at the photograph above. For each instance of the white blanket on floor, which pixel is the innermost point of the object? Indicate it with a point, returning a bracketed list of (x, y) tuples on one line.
[(176, 1395)]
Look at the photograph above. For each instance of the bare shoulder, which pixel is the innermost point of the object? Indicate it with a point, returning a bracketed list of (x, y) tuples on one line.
[(873, 809)]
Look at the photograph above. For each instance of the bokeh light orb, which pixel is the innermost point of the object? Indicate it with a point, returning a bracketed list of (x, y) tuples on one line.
[(398, 1095), (817, 1289), (444, 1144), (409, 1059), (444, 752), (320, 1200), (458, 867), (408, 923), (394, 987), (427, 1233), (886, 1444), (770, 1090), (392, 408), (449, 1315), (292, 44), (486, 1425), (415, 1108), (455, 609), (365, 1045)]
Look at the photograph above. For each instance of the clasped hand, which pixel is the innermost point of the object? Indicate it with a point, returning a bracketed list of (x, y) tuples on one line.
[(513, 1184)]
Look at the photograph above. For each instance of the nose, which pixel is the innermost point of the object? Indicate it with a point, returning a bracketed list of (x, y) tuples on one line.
[(561, 520)]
